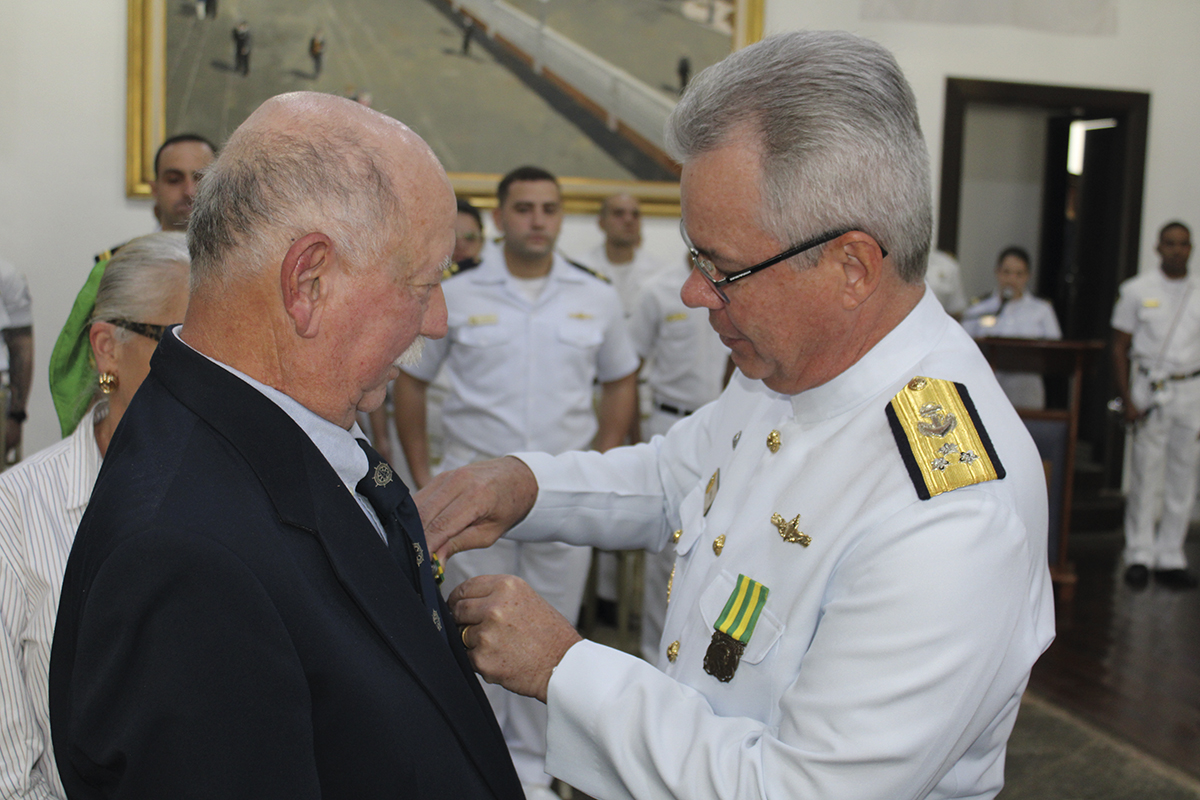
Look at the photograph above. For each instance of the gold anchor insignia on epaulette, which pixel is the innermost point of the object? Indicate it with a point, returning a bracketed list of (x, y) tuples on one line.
[(924, 415), (789, 530)]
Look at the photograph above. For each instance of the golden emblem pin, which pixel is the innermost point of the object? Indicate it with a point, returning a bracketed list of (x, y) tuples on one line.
[(774, 441), (789, 530), (719, 544), (382, 474), (710, 492), (673, 651)]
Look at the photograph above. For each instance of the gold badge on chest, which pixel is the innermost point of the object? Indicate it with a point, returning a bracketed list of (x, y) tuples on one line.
[(710, 491), (789, 530)]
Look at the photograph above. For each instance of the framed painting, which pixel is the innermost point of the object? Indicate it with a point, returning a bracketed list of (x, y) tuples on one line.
[(578, 87)]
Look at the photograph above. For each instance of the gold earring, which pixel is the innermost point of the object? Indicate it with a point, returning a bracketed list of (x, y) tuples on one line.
[(109, 382)]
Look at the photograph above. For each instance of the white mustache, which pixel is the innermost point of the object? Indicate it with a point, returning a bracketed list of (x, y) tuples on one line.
[(412, 355)]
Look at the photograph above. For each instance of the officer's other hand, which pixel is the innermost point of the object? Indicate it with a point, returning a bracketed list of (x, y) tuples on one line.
[(513, 636), (473, 506)]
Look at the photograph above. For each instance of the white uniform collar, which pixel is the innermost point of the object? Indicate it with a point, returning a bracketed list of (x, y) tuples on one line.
[(492, 269), (879, 368)]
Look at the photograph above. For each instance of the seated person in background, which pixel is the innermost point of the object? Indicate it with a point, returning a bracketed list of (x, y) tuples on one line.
[(98, 363), (1012, 313)]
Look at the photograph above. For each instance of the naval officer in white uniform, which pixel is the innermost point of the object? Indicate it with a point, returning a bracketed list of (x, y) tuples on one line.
[(859, 520)]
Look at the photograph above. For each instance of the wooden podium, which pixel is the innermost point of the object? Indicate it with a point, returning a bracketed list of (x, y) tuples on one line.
[(1053, 430)]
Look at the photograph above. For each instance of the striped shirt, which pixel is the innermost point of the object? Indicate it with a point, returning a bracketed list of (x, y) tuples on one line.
[(42, 500)]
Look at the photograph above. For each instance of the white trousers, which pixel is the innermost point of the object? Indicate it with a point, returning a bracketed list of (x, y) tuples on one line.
[(1162, 481)]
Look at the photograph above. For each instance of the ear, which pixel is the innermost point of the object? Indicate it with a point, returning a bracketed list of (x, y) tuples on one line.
[(306, 263), (104, 345), (861, 261), (497, 221)]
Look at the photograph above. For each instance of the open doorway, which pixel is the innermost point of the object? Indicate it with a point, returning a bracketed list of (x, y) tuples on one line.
[(1081, 220)]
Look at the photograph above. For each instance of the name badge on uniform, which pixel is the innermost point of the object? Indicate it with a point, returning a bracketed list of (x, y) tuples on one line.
[(734, 627), (1150, 302), (987, 321), (580, 315), (483, 319), (678, 316)]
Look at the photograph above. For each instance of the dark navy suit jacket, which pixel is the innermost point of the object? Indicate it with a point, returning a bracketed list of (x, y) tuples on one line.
[(232, 626)]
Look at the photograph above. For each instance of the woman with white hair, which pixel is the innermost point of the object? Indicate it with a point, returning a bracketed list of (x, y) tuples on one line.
[(98, 363)]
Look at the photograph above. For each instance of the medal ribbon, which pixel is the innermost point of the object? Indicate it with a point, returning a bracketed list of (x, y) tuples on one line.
[(742, 609)]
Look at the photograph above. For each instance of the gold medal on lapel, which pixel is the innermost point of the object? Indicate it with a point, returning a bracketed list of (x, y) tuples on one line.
[(734, 627), (710, 492)]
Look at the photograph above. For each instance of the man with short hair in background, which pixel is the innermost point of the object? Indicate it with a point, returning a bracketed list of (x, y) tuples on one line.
[(249, 609), (1156, 364), (530, 333), (620, 257)]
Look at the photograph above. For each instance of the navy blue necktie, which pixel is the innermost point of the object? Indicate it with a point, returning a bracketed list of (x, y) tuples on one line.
[(406, 537)]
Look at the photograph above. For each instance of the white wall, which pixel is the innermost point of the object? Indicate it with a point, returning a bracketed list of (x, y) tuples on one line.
[(62, 162), (62, 139), (1153, 51), (1001, 202)]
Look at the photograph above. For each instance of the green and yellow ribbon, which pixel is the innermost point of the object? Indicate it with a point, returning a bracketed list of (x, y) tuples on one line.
[(742, 609)]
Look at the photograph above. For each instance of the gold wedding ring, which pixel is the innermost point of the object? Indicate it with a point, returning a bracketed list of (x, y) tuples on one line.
[(462, 632)]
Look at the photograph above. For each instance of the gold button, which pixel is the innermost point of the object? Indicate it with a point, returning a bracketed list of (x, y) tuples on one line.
[(675, 536), (719, 544), (916, 384), (774, 441), (673, 651)]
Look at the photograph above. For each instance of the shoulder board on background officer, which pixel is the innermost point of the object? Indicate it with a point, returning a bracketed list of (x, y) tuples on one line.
[(589, 271), (458, 267), (940, 436), (108, 254)]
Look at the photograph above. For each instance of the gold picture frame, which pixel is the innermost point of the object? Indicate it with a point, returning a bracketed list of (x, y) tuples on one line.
[(146, 119)]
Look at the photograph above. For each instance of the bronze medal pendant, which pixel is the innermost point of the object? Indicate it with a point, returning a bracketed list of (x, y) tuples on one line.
[(723, 656), (734, 628)]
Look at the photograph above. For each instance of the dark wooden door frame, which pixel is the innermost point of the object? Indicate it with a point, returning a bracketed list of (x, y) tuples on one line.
[(1131, 108)]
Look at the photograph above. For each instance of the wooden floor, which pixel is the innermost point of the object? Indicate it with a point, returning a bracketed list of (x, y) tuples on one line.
[(1128, 661)]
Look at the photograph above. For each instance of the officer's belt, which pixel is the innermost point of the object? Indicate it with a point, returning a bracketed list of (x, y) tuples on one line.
[(670, 409), (1175, 377)]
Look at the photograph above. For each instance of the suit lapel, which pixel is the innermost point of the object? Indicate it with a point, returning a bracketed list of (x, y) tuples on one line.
[(308, 494)]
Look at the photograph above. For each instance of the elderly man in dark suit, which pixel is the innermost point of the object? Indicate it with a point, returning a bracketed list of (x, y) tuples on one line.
[(249, 608)]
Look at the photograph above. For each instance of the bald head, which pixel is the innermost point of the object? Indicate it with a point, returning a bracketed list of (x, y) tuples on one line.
[(621, 221), (303, 162)]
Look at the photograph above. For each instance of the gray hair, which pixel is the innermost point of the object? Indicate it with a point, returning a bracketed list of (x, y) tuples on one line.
[(837, 127), (138, 282), (270, 186)]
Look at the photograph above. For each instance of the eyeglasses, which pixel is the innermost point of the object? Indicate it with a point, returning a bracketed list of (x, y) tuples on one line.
[(155, 332), (717, 279)]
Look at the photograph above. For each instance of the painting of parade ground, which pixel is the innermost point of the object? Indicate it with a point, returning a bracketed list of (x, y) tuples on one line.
[(580, 87)]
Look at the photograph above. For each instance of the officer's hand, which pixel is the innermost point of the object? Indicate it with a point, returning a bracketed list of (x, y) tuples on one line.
[(513, 636), (473, 506)]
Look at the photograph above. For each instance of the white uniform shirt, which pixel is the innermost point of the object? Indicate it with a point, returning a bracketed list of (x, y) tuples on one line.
[(892, 652), (684, 355), (16, 308), (521, 373), (1146, 307), (42, 500), (1026, 317), (627, 279)]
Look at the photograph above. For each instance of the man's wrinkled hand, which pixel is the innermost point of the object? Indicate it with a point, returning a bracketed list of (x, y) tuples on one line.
[(473, 506), (513, 636)]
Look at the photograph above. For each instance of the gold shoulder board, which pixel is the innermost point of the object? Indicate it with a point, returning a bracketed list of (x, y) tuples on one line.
[(941, 439)]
